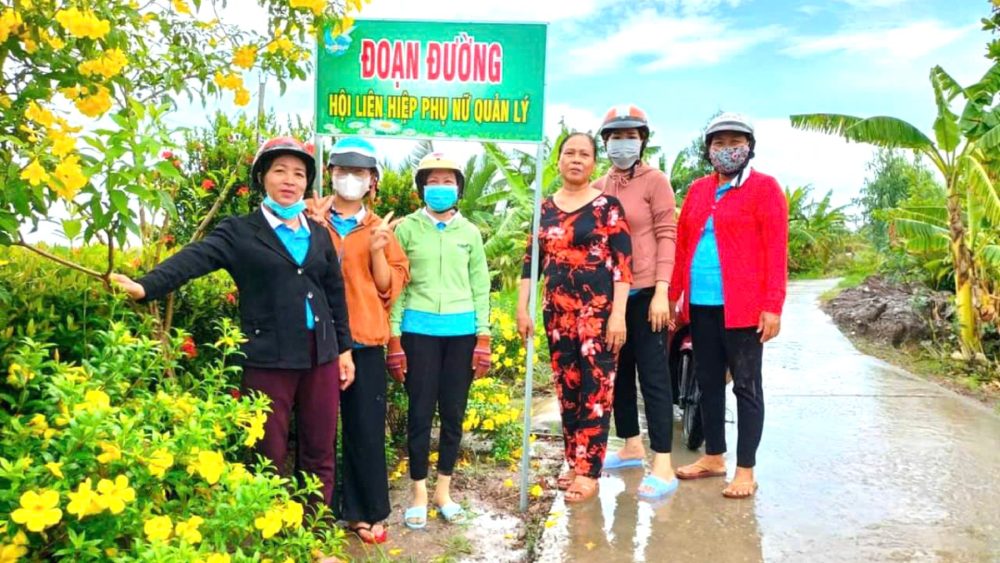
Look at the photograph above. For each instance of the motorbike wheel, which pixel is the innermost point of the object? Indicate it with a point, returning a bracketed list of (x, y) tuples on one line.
[(691, 421)]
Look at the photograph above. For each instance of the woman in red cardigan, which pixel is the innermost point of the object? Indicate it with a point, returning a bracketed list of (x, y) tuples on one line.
[(731, 270)]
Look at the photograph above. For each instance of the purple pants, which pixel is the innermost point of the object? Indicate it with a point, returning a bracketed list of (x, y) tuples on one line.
[(314, 395)]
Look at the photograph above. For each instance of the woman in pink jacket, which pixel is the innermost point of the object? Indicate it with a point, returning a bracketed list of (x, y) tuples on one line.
[(648, 199)]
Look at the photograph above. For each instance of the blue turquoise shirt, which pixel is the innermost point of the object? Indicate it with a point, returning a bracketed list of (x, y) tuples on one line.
[(344, 225), (434, 324), (706, 271), (297, 244)]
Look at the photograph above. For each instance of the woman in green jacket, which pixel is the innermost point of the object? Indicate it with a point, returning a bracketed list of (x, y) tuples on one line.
[(440, 328)]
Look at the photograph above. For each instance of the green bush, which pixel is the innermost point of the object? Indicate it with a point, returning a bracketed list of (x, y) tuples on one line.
[(108, 459)]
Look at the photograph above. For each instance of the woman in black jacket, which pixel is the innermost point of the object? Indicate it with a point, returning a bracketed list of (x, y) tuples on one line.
[(292, 306)]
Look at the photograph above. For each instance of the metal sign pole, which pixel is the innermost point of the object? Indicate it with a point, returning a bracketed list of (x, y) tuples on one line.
[(529, 377), (317, 138)]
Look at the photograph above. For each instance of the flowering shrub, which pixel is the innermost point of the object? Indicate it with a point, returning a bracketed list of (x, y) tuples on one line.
[(109, 459), (509, 352), (491, 412)]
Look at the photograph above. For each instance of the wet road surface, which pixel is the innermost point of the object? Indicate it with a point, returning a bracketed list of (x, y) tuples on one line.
[(859, 462)]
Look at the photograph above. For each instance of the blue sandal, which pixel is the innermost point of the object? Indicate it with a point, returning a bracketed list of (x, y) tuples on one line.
[(614, 461), (453, 513), (658, 488), (415, 517)]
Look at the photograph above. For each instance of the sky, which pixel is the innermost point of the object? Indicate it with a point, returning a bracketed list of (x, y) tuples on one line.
[(682, 61)]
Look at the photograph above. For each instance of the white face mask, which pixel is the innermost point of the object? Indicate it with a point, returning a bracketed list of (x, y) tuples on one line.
[(351, 186), (624, 152)]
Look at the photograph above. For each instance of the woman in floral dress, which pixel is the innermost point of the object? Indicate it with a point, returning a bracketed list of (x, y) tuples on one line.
[(585, 252)]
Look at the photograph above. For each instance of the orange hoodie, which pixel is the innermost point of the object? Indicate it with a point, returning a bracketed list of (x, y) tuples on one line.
[(367, 308), (650, 211)]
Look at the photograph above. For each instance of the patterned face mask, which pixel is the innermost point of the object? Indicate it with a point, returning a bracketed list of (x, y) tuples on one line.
[(729, 160)]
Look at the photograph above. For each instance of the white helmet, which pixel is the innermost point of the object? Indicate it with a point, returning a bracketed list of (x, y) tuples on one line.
[(729, 122)]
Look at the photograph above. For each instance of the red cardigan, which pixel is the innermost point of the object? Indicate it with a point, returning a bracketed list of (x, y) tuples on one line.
[(751, 229)]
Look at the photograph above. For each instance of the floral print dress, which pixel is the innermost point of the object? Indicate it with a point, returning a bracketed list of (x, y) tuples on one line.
[(582, 254)]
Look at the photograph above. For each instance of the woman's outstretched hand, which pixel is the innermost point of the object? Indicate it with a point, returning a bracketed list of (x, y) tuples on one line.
[(125, 283)]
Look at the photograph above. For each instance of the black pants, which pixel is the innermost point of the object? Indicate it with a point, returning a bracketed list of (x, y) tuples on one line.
[(362, 407), (647, 351), (439, 375), (716, 349)]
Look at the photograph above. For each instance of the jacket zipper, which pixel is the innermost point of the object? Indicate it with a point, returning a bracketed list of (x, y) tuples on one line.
[(440, 267)]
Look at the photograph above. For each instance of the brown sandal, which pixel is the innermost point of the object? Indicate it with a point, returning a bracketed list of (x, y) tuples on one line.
[(726, 493), (581, 491), (702, 473), (565, 480)]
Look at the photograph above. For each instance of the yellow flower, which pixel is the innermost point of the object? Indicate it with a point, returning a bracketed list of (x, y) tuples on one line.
[(231, 81), (82, 24), (508, 483), (188, 530), (488, 424), (38, 424), (209, 465), (35, 175), (245, 57), (159, 462), (242, 96), (280, 43), (38, 510), (158, 528), (110, 453), (107, 65), (84, 501), (215, 558), (62, 144), (181, 7), (237, 474), (292, 514), (501, 349), (10, 21), (255, 428), (316, 6), (10, 553), (115, 494), (71, 178), (269, 524), (96, 104), (39, 115), (536, 491), (55, 468), (71, 92), (5, 102), (507, 362)]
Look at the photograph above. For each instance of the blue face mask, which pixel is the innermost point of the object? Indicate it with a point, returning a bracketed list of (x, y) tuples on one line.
[(290, 212), (440, 198)]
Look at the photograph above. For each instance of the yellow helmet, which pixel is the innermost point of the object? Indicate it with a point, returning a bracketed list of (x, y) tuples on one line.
[(437, 161)]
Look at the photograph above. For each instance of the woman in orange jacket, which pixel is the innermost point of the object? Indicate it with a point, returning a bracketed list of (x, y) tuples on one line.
[(375, 271)]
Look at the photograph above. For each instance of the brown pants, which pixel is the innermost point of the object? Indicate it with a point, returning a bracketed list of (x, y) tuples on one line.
[(314, 395)]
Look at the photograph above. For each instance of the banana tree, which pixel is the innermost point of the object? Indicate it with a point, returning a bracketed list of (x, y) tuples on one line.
[(956, 151)]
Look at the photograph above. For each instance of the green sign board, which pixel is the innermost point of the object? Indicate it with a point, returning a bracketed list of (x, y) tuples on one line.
[(414, 79)]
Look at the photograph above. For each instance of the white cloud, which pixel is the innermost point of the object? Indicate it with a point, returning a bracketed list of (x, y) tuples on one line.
[(874, 4), (907, 42), (509, 10), (664, 42), (797, 158)]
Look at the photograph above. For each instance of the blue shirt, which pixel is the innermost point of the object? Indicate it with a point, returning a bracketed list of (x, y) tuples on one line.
[(434, 324), (344, 225), (297, 244), (706, 271)]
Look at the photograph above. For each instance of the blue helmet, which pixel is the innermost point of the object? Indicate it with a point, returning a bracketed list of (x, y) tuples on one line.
[(354, 152)]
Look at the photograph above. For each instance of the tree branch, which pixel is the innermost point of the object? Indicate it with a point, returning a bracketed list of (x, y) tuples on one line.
[(45, 254)]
